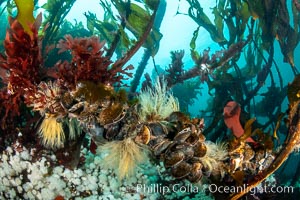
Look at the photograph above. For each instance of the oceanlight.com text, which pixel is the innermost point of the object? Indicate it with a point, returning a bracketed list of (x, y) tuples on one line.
[(213, 188)]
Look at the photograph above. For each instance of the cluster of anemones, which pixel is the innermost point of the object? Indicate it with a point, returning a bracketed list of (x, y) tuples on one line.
[(47, 100)]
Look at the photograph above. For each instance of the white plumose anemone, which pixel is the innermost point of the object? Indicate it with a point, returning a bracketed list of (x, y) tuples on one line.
[(157, 103), (214, 157)]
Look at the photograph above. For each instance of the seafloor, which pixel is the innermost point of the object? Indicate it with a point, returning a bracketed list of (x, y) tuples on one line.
[(23, 177)]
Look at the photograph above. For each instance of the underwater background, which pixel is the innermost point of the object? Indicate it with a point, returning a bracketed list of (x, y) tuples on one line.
[(149, 99)]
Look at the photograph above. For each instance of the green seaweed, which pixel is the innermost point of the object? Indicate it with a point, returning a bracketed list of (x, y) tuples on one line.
[(56, 11), (197, 14)]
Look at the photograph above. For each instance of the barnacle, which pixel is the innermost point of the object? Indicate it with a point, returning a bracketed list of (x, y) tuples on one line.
[(157, 103)]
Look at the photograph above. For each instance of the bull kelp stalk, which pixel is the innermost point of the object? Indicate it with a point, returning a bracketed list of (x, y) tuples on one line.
[(261, 76), (150, 49), (121, 62)]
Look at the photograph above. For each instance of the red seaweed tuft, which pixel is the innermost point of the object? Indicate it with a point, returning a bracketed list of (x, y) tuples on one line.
[(88, 62), (20, 67)]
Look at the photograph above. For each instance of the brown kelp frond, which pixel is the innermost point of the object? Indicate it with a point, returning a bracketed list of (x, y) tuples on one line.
[(124, 156), (53, 9), (51, 132), (157, 103)]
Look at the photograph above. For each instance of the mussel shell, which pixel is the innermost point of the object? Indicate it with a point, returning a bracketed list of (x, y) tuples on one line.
[(161, 147), (182, 136), (77, 108), (248, 153), (177, 117), (67, 101), (200, 149), (97, 134), (186, 148), (195, 160), (196, 173), (197, 166), (201, 137), (155, 141), (251, 166), (181, 170), (112, 131), (173, 159), (267, 161), (192, 139), (111, 114), (157, 129), (206, 171), (260, 154), (144, 135), (194, 177)]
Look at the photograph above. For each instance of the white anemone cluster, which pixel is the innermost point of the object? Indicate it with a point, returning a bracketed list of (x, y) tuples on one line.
[(21, 177)]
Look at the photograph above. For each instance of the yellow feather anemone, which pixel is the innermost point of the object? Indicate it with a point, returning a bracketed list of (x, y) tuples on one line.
[(25, 13), (51, 132), (124, 155)]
